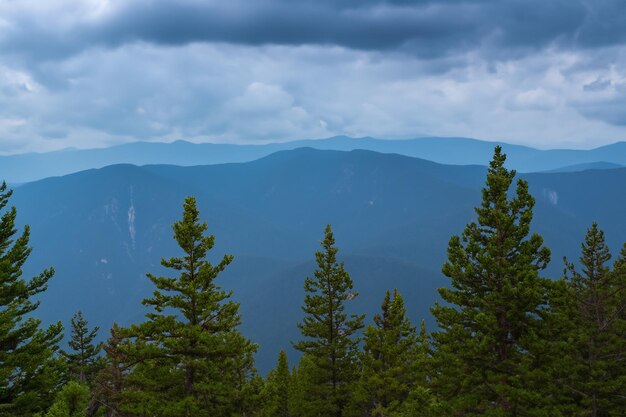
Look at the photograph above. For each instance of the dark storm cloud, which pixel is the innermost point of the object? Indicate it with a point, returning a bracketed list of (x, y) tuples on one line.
[(90, 73), (426, 28)]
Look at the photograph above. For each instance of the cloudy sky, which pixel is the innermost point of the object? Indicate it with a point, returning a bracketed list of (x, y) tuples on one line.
[(92, 73)]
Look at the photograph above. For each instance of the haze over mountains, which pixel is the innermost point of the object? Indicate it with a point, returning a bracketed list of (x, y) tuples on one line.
[(459, 151), (393, 215)]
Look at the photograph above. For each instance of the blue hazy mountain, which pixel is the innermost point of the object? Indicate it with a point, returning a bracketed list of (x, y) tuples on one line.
[(586, 166), (392, 215), (458, 151)]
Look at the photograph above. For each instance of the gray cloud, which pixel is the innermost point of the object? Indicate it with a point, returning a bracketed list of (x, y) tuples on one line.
[(425, 28), (609, 104), (88, 73)]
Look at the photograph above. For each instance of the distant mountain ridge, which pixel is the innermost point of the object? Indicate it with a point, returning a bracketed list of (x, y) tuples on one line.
[(456, 151), (393, 215), (587, 166)]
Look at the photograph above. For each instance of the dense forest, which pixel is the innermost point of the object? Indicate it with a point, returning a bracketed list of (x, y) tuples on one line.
[(508, 341)]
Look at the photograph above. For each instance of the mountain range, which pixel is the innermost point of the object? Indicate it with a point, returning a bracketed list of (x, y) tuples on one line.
[(104, 229), (458, 151)]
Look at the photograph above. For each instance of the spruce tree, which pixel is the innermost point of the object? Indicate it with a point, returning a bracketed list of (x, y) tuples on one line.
[(29, 374), (329, 334), (389, 360), (487, 344), (83, 359), (596, 354), (192, 360)]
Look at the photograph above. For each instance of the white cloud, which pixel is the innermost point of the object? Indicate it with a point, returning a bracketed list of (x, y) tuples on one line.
[(260, 98), (231, 93)]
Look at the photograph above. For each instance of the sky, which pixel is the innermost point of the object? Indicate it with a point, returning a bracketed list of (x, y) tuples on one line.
[(96, 73)]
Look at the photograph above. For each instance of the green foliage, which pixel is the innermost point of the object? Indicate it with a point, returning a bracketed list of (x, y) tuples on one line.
[(389, 360), (595, 339), (83, 361), (71, 401), (509, 343), (305, 394), (109, 381), (191, 359), (277, 389), (329, 335), (251, 396), (419, 403), (29, 375), (487, 343)]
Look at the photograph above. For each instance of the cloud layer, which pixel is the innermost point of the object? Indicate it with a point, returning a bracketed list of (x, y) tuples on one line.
[(99, 72)]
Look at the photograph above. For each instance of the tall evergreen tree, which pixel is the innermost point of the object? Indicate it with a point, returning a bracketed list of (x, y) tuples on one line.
[(329, 334), (389, 361), (487, 342), (110, 380), (29, 374), (83, 358), (597, 334), (192, 357)]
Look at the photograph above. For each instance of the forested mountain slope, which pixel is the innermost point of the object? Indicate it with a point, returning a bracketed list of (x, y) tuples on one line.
[(392, 216)]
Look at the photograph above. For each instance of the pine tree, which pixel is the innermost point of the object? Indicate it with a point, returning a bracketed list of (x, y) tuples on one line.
[(110, 379), (487, 342), (618, 370), (277, 388), (597, 332), (619, 279), (421, 401), (83, 360), (389, 360), (305, 390), (329, 335), (251, 394), (192, 360), (29, 374)]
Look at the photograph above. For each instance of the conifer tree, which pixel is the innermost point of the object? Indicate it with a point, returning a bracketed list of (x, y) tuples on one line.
[(424, 354), (487, 342), (110, 379), (191, 357), (294, 394), (329, 334), (29, 374), (71, 401), (618, 370), (597, 334), (305, 390), (277, 388), (248, 387), (619, 279), (620, 263), (83, 359), (421, 401), (389, 361)]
